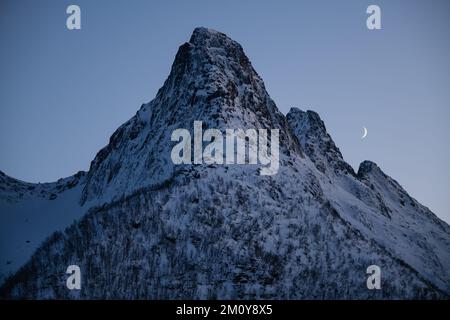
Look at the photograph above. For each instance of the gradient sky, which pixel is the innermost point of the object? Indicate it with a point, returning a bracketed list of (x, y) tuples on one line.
[(63, 93)]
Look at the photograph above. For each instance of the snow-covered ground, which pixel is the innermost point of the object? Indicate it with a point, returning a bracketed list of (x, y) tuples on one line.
[(29, 214)]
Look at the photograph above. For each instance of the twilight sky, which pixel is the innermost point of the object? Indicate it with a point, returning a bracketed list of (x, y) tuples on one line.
[(63, 93)]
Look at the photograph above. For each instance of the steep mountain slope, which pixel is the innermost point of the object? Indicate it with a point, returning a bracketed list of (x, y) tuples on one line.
[(31, 212), (376, 204), (226, 231), (211, 81)]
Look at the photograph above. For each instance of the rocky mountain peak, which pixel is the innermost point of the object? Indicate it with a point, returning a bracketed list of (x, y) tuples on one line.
[(212, 81), (315, 141), (198, 231), (366, 167), (210, 38)]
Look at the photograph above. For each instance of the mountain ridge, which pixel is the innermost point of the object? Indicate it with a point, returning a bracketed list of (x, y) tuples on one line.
[(156, 230)]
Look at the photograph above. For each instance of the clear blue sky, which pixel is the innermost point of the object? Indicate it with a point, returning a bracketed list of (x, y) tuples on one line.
[(63, 93)]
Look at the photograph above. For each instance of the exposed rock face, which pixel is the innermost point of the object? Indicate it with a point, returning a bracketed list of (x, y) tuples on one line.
[(317, 143), (160, 231), (211, 81)]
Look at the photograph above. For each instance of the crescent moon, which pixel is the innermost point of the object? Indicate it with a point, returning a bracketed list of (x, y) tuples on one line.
[(365, 133)]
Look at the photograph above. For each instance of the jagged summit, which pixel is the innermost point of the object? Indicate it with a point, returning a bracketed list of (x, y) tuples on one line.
[(314, 139), (218, 44), (211, 80), (366, 167), (210, 38)]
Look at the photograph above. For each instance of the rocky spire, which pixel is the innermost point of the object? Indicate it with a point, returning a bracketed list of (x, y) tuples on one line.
[(211, 80), (315, 141)]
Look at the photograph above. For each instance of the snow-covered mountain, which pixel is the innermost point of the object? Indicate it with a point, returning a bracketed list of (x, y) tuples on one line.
[(155, 230)]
